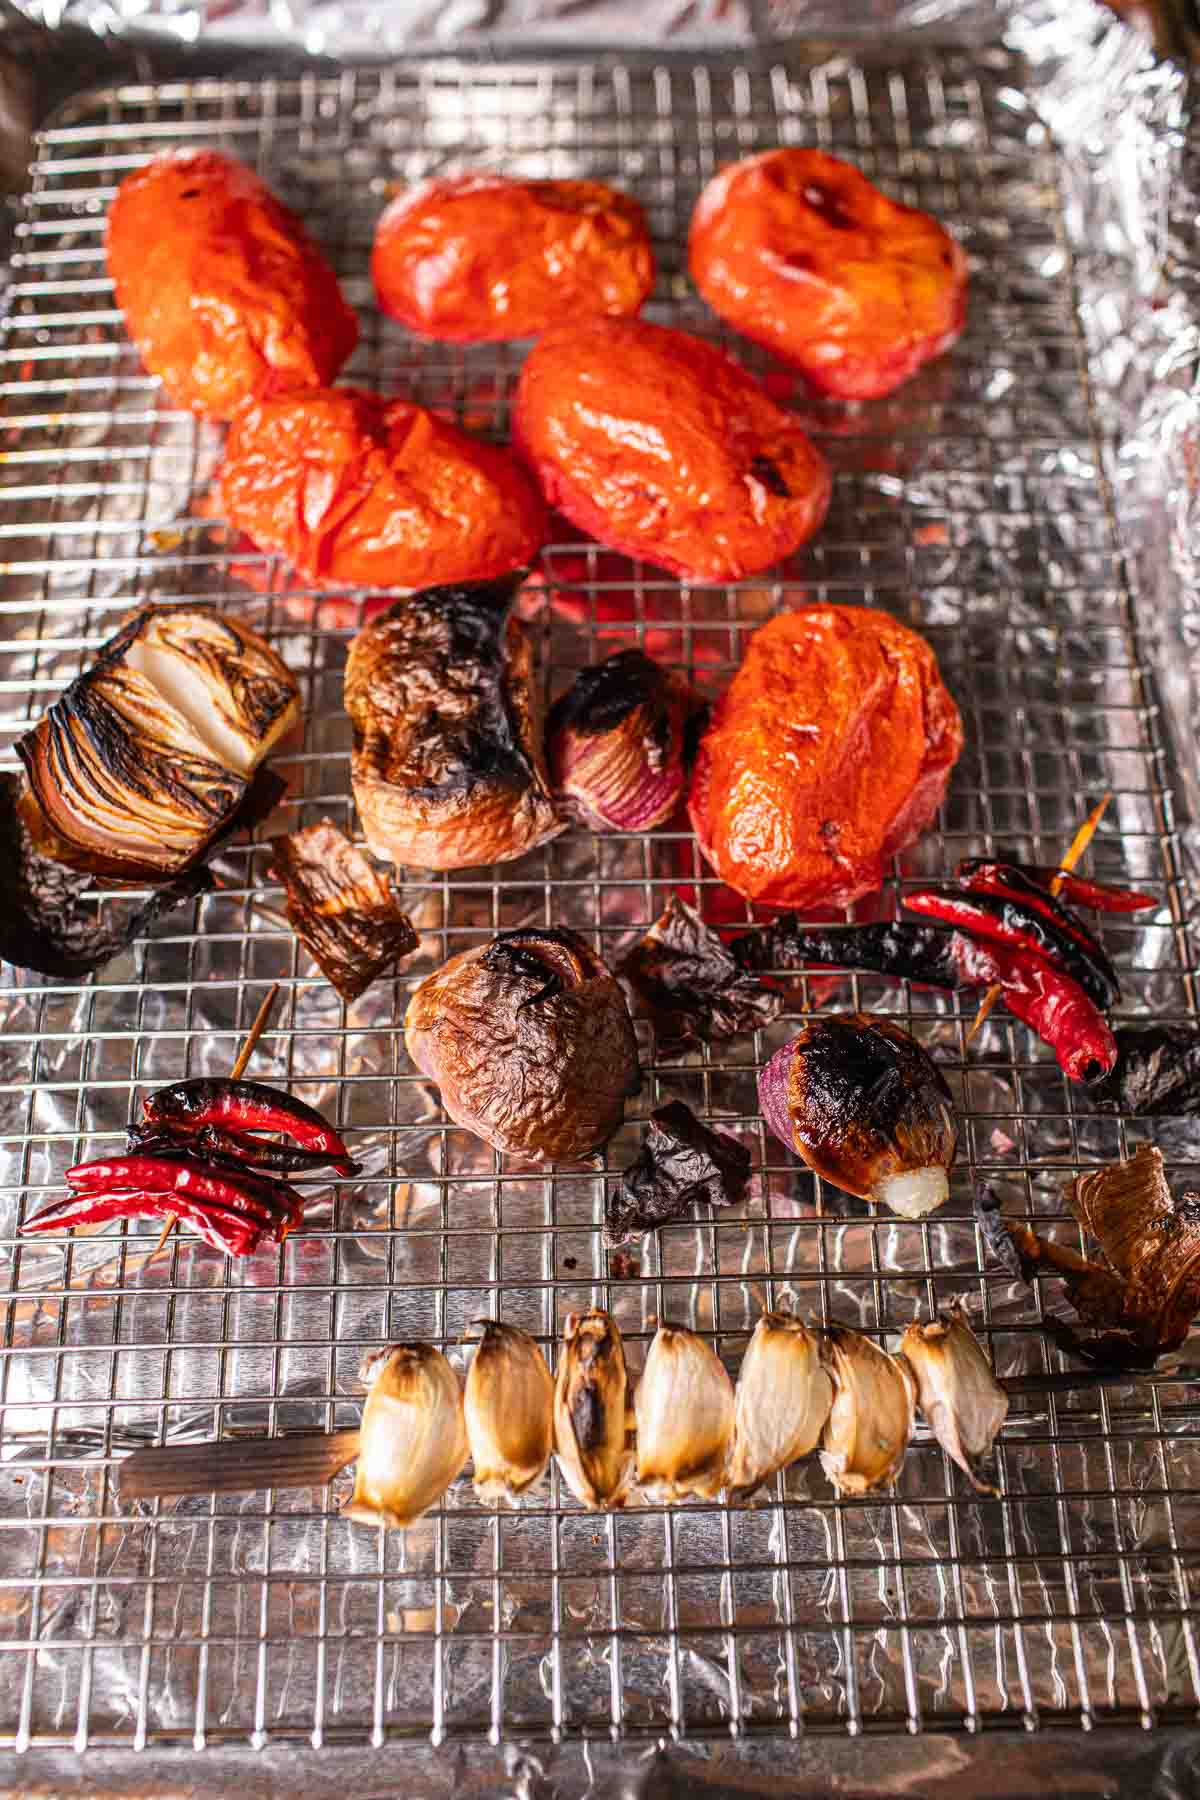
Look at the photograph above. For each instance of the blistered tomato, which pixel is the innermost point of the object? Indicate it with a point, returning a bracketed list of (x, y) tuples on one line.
[(358, 491), (800, 252), (482, 257), (665, 448), (830, 751), (223, 292)]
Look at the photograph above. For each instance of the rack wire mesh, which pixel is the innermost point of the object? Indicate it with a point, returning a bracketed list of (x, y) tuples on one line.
[(972, 505)]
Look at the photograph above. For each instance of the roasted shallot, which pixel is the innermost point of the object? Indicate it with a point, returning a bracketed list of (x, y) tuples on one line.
[(509, 1409), (413, 1438), (783, 1398), (342, 910), (962, 1401), (530, 1042), (591, 1402), (684, 1409), (615, 743), (865, 1107), (874, 1409)]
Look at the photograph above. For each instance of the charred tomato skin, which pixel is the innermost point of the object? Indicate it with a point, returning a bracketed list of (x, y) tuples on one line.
[(663, 447), (480, 258), (529, 1040), (829, 751), (358, 491), (223, 292), (801, 253)]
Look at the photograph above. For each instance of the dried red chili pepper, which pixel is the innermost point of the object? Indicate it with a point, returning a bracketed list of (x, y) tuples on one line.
[(222, 1227), (252, 1196), (1099, 895), (1009, 922), (1048, 1001), (232, 1149), (245, 1106), (1007, 881)]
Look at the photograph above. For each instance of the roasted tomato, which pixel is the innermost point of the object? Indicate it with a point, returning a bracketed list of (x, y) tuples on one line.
[(800, 252), (357, 491), (662, 446), (223, 292), (830, 751), (481, 257)]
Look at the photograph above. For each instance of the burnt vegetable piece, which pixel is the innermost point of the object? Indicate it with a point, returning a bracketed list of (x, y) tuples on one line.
[(1139, 1300), (689, 985), (591, 1400), (865, 1107), (615, 743), (1156, 1072), (922, 953), (447, 765), (342, 910), (681, 1163), (530, 1042)]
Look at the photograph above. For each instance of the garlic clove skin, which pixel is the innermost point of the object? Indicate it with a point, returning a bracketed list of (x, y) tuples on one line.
[(959, 1395), (509, 1412), (873, 1413), (684, 1410), (783, 1398), (590, 1411), (412, 1440)]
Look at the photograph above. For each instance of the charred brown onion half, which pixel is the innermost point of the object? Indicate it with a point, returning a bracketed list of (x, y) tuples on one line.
[(147, 756)]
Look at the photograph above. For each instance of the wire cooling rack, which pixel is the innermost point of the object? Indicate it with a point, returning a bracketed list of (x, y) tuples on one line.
[(971, 505)]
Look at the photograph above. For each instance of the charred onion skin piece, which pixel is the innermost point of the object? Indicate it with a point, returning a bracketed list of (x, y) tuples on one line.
[(224, 294), (800, 252), (681, 1164), (1099, 895), (447, 765), (1001, 918), (1155, 1072), (188, 1106), (664, 448), (829, 752), (480, 258), (866, 1108), (358, 491), (591, 1404), (615, 743), (870, 1424), (342, 910), (962, 1401), (530, 1042), (1138, 1302), (1045, 999), (132, 781), (690, 986)]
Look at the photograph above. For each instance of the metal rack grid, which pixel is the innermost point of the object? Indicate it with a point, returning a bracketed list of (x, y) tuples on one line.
[(971, 505)]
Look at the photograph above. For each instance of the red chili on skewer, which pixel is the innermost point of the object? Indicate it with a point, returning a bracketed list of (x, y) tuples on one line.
[(1049, 1002), (1099, 895), (1010, 883), (245, 1106), (220, 1226), (1001, 920), (231, 1149)]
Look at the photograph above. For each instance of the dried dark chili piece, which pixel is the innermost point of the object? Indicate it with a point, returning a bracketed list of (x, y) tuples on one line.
[(681, 1162), (687, 982), (245, 1106), (1008, 883), (1157, 1073), (922, 953), (1099, 895), (233, 1149), (1017, 927), (226, 1230), (1049, 1002)]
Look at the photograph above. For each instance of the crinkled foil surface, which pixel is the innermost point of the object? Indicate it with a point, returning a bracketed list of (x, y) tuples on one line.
[(1028, 503)]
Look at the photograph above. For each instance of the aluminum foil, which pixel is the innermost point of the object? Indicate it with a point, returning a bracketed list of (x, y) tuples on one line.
[(1029, 505)]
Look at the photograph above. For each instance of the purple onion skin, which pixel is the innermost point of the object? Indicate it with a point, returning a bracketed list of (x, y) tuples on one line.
[(773, 1095)]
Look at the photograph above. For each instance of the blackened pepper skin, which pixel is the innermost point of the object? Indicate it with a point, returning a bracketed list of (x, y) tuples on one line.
[(680, 1164)]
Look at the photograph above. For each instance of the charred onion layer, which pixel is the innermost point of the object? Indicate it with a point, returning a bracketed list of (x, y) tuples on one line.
[(342, 910)]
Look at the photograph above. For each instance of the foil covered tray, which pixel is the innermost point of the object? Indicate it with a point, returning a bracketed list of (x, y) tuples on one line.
[(1026, 503)]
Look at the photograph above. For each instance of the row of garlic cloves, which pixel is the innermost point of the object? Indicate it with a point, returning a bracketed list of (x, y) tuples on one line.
[(693, 1434)]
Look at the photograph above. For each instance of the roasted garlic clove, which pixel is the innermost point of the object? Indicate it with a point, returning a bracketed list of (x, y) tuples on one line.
[(783, 1399), (509, 1408), (873, 1413), (866, 1108), (684, 1410), (958, 1393), (590, 1406), (615, 743), (412, 1440)]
